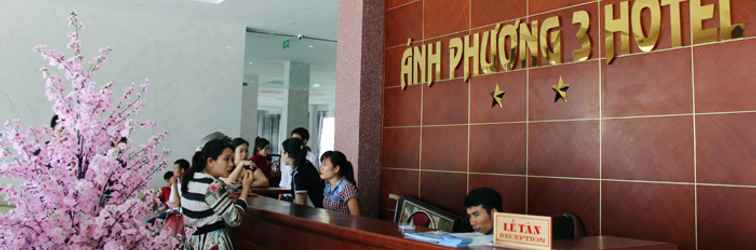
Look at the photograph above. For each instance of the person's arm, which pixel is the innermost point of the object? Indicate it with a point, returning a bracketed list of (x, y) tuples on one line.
[(285, 172), (246, 186), (300, 189), (260, 179), (354, 207), (165, 194), (175, 200), (349, 194), (237, 172), (223, 206)]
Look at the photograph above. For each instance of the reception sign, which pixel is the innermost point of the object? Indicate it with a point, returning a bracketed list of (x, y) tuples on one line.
[(522, 231)]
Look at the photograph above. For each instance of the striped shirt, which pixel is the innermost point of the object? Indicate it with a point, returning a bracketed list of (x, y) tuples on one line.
[(336, 198), (206, 203)]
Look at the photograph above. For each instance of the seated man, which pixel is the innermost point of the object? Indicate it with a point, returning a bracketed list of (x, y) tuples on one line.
[(481, 203)]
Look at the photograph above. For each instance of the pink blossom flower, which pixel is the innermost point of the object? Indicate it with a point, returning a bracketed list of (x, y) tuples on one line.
[(65, 173), (113, 245)]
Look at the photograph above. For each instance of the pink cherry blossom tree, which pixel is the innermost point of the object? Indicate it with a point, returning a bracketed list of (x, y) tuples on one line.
[(77, 186)]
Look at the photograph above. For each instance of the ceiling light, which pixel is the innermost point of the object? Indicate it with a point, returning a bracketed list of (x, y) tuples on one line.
[(310, 46), (316, 85), (210, 1)]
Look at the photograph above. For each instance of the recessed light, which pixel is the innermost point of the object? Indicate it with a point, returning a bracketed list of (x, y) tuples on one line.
[(310, 46), (250, 63), (316, 85), (210, 1)]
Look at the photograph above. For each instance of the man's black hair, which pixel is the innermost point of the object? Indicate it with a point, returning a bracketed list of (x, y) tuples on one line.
[(485, 197), (182, 163), (167, 176), (302, 132)]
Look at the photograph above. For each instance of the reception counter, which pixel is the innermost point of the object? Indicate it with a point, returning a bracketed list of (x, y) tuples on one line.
[(274, 224)]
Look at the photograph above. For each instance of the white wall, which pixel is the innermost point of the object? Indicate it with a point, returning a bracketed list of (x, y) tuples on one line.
[(195, 64)]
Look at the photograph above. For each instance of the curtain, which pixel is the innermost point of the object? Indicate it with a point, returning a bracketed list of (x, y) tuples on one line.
[(268, 128), (317, 127)]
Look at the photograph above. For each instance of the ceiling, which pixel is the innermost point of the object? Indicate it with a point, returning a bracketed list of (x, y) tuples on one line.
[(316, 18)]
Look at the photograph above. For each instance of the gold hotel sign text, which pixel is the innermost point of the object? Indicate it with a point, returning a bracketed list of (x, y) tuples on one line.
[(510, 43)]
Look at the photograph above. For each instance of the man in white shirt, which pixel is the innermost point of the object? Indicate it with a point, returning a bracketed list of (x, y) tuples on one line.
[(304, 135)]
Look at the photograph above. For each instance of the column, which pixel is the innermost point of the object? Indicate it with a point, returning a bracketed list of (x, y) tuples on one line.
[(359, 70), (296, 106), (249, 108)]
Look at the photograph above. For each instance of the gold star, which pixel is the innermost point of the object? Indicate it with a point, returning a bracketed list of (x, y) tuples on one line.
[(560, 90), (497, 97)]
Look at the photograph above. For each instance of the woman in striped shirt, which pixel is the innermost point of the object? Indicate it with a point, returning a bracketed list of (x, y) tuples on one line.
[(340, 192), (205, 201)]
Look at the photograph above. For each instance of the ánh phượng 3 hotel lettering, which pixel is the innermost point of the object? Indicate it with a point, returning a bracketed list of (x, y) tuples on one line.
[(507, 46)]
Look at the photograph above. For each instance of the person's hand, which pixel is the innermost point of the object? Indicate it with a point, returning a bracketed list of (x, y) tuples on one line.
[(234, 196), (244, 163), (249, 177), (247, 164)]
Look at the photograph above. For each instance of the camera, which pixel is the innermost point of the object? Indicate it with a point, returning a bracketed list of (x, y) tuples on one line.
[(300, 36)]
